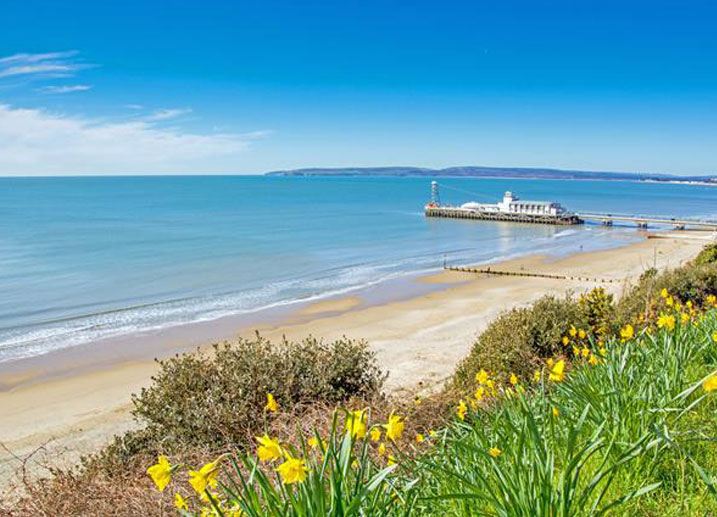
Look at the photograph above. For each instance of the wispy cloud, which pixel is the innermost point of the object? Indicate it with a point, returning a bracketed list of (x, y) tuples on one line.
[(69, 88), (49, 64), (34, 141), (166, 114)]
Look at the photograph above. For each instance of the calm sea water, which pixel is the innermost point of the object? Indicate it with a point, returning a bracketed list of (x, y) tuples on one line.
[(87, 258)]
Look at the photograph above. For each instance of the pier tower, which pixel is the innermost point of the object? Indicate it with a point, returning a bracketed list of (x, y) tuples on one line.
[(435, 197)]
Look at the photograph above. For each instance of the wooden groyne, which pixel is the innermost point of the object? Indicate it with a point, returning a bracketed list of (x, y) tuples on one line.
[(466, 213), (489, 271)]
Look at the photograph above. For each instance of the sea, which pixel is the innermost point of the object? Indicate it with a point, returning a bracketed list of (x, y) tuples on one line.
[(88, 258)]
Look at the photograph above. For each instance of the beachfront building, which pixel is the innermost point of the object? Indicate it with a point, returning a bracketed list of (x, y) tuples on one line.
[(511, 204)]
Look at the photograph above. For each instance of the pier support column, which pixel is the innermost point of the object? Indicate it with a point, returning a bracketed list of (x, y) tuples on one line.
[(642, 225)]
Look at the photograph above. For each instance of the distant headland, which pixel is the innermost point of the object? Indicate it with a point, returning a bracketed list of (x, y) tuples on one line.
[(497, 172)]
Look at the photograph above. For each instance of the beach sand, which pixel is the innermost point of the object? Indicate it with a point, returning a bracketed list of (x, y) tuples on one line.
[(56, 412)]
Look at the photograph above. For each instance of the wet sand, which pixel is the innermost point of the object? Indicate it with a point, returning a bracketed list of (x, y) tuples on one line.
[(74, 401)]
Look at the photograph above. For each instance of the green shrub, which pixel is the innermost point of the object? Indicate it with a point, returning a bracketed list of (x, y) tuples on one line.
[(219, 398), (707, 256), (513, 341), (693, 282)]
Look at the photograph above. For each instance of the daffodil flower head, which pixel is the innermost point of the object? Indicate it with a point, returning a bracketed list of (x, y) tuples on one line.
[(462, 410), (179, 502), (161, 473), (356, 424), (293, 470), (482, 377), (666, 321), (271, 404), (375, 434), (494, 452), (513, 379), (204, 477), (557, 372), (394, 427), (627, 332), (269, 448), (710, 383)]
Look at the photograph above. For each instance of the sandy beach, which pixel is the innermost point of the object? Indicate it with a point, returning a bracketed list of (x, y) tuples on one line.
[(72, 403)]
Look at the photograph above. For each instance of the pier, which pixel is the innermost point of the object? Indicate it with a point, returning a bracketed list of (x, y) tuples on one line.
[(642, 221), (456, 212)]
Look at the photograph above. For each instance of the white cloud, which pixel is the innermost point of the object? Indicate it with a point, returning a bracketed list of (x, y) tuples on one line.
[(34, 58), (166, 114), (65, 89), (49, 64), (34, 141)]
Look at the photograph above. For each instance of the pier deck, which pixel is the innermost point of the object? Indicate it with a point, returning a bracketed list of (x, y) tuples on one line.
[(454, 212)]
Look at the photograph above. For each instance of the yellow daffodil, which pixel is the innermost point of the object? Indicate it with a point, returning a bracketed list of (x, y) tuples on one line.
[(593, 360), (582, 334), (666, 321), (490, 383), (710, 383), (462, 410), (664, 293), (627, 332), (585, 351), (513, 379), (714, 337), (269, 449), (573, 331), (473, 404), (375, 434), (712, 300), (179, 502), (206, 476), (670, 301), (557, 373), (391, 460), (394, 427), (382, 449), (419, 438), (480, 393), (494, 451), (684, 318), (556, 412), (432, 433), (313, 442), (603, 351), (161, 473), (482, 377), (576, 351), (293, 470), (536, 376), (550, 362), (566, 340), (356, 424), (271, 404), (689, 304)]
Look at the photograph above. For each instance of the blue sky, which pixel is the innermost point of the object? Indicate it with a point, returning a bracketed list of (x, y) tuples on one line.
[(100, 87)]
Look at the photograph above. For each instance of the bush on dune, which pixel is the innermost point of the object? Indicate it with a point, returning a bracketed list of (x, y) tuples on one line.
[(519, 337), (211, 399)]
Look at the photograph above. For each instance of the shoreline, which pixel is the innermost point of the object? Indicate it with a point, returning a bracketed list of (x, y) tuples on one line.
[(418, 338)]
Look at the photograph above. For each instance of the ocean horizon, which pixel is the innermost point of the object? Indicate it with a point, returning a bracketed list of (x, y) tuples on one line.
[(88, 258)]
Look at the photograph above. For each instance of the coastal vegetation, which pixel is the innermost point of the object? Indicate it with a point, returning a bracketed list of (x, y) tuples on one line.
[(581, 405)]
